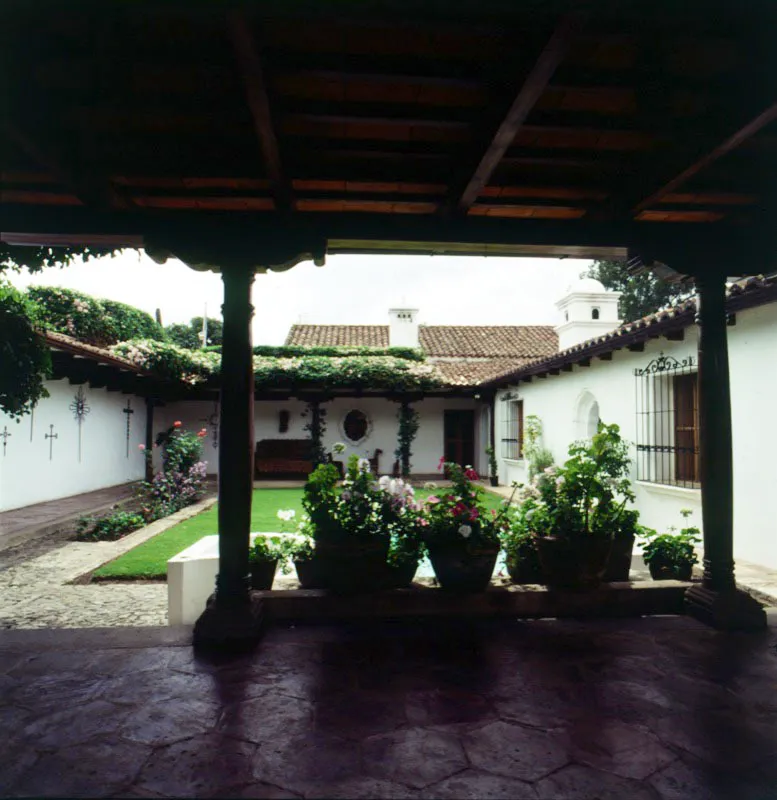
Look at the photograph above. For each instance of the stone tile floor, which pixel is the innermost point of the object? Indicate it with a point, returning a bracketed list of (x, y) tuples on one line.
[(654, 708)]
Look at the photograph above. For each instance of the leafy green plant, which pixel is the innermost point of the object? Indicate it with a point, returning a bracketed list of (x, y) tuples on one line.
[(493, 464), (108, 529), (25, 360), (128, 322), (266, 549), (519, 546), (538, 458), (587, 496), (315, 415), (674, 550), (408, 428)]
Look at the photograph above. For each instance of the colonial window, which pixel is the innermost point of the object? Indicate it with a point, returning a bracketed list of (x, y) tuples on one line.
[(594, 313), (356, 426), (512, 441), (668, 422)]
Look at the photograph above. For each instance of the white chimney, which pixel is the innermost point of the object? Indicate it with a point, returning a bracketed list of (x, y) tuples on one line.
[(587, 310), (403, 327)]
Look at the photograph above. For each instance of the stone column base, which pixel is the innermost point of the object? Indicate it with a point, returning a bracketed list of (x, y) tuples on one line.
[(229, 627), (729, 610)]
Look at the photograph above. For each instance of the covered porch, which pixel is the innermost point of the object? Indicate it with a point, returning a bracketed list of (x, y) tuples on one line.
[(506, 130)]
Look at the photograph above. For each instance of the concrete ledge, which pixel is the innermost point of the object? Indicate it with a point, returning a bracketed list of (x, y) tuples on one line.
[(610, 600)]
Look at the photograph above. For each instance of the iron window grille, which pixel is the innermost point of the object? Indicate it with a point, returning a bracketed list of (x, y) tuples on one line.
[(512, 440), (668, 422)]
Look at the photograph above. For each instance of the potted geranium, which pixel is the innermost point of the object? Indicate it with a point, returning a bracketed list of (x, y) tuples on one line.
[(263, 558), (461, 536), (671, 556), (521, 557), (574, 511)]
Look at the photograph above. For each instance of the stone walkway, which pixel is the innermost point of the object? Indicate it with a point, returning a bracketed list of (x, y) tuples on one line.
[(645, 709), (41, 519), (37, 593)]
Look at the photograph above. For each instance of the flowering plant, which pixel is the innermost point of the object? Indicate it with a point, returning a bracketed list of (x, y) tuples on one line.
[(587, 496), (360, 508), (458, 516)]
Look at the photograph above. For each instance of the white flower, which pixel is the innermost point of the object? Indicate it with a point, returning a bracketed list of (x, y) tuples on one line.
[(430, 485), (465, 531), (550, 470), (384, 482), (286, 515), (392, 487), (364, 465)]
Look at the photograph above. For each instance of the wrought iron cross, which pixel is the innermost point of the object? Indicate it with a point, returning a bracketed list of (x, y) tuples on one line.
[(80, 409), (5, 436), (51, 436), (128, 410)]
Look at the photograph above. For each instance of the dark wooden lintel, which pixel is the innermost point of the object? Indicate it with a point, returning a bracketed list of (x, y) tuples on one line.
[(636, 347), (606, 356), (584, 362), (676, 335)]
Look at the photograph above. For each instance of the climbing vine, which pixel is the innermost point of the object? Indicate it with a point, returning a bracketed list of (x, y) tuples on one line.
[(315, 414), (408, 428), (25, 360)]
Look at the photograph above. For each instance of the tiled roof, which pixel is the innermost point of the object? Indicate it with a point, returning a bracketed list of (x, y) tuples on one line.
[(747, 293), (59, 341), (468, 341), (338, 336), (473, 373)]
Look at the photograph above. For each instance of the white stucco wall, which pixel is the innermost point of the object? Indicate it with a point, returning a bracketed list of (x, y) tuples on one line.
[(752, 350), (27, 475), (382, 413)]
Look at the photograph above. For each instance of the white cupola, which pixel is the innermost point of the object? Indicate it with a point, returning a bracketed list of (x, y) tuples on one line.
[(403, 327), (587, 310)]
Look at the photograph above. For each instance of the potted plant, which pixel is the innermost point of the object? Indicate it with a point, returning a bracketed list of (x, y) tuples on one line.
[(263, 559), (521, 557), (671, 556), (574, 511), (625, 528), (493, 466), (353, 525), (461, 537)]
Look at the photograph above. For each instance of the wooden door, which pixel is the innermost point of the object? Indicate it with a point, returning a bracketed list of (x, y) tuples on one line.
[(459, 432), (686, 428)]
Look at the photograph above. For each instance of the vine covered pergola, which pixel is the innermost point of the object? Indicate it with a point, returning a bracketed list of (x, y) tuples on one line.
[(245, 137)]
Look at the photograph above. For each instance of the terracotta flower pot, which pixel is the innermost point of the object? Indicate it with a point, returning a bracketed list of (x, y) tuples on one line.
[(573, 563), (308, 574), (460, 570), (401, 576), (524, 570), (663, 571), (619, 565), (262, 574), (349, 567)]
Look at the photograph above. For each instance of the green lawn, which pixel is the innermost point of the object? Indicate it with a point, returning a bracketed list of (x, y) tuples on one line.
[(149, 560)]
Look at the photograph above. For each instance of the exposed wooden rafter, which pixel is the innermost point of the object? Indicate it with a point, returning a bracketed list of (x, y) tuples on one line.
[(247, 52), (732, 142), (533, 86)]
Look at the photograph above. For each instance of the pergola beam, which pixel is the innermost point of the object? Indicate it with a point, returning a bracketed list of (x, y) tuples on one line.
[(247, 54), (731, 143), (534, 85)]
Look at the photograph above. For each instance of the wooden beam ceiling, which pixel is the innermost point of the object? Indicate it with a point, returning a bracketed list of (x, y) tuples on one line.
[(533, 87), (247, 53)]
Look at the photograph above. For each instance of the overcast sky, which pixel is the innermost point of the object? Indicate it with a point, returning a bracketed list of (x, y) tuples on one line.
[(350, 289)]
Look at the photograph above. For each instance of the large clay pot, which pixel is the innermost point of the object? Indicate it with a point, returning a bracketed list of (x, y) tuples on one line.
[(353, 567), (524, 570), (401, 576), (459, 569), (308, 574), (662, 571), (573, 563), (262, 574), (619, 565)]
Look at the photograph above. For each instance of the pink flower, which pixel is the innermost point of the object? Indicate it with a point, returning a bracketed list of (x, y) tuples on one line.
[(423, 522), (474, 513), (471, 474), (141, 447), (432, 499), (441, 463), (177, 423), (459, 509)]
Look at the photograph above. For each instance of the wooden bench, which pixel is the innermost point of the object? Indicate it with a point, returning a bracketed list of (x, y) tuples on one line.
[(287, 457)]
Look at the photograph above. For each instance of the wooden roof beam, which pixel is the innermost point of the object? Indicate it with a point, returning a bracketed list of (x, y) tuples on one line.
[(247, 53), (533, 86), (731, 143)]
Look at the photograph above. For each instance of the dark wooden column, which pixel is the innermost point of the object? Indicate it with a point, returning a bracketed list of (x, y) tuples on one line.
[(232, 620), (717, 601)]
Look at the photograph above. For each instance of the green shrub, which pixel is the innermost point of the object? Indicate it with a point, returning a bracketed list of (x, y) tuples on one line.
[(108, 529), (25, 359), (129, 322), (183, 336)]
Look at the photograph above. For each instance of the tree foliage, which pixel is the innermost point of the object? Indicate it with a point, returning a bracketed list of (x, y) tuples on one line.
[(190, 336), (25, 359), (35, 259), (642, 294)]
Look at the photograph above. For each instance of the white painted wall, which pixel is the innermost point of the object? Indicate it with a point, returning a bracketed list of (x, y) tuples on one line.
[(27, 475), (752, 350), (382, 413)]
